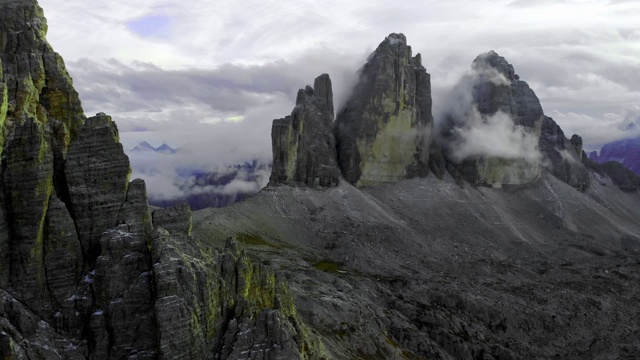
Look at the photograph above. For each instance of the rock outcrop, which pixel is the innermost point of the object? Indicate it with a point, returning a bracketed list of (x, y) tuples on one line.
[(384, 131), (563, 156), (97, 172), (495, 132), (38, 85), (304, 147), (83, 271)]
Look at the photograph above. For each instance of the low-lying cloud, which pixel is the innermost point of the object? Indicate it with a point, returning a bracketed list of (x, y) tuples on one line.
[(171, 180), (468, 133), (493, 136)]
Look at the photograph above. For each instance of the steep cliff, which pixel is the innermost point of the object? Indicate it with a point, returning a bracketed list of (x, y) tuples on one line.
[(384, 131), (304, 147), (495, 131), (84, 272)]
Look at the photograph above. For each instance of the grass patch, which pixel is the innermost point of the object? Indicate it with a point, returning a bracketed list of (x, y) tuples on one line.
[(255, 240), (328, 266)]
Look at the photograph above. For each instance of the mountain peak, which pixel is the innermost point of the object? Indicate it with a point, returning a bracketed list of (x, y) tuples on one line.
[(491, 60), (382, 131), (162, 149), (395, 39), (165, 149), (143, 146)]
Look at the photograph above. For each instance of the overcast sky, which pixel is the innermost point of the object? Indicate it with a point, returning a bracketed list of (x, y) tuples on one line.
[(214, 74)]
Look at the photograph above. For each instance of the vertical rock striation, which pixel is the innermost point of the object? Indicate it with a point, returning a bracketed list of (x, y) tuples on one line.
[(27, 170), (97, 172), (563, 156), (492, 100), (384, 131), (304, 147), (38, 84)]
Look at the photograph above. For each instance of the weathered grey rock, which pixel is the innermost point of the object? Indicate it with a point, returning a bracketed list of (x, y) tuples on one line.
[(623, 177), (38, 83), (27, 169), (23, 335), (496, 91), (124, 296), (304, 147), (384, 131), (493, 96), (135, 211), (97, 172), (499, 89), (225, 307), (563, 156), (4, 106), (63, 261), (175, 219), (123, 321), (5, 250)]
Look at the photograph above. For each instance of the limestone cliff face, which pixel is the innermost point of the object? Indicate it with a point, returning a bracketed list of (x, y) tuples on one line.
[(97, 172), (384, 131), (563, 156), (304, 147), (494, 101), (83, 271), (38, 85)]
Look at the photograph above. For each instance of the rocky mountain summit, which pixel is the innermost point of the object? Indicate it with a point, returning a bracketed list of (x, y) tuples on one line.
[(401, 266), (492, 100), (384, 131)]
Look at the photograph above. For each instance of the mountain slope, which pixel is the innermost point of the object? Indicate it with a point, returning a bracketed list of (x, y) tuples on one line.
[(426, 269)]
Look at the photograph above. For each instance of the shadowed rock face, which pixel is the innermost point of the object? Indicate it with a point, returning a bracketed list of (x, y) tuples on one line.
[(83, 272), (304, 147), (563, 156), (97, 172), (37, 82), (494, 91), (508, 94), (384, 131)]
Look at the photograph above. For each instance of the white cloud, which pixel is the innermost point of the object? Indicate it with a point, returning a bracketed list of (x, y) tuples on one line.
[(493, 136), (580, 57)]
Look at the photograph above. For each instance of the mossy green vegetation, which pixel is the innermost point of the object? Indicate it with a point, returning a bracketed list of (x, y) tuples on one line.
[(254, 240), (327, 266)]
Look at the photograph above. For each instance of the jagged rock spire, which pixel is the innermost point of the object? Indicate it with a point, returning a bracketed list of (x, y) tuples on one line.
[(384, 131), (303, 143)]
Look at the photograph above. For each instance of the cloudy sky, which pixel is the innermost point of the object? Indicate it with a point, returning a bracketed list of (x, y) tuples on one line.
[(212, 75)]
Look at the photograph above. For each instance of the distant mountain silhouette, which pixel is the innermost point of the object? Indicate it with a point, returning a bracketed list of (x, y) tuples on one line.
[(626, 152), (162, 149)]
